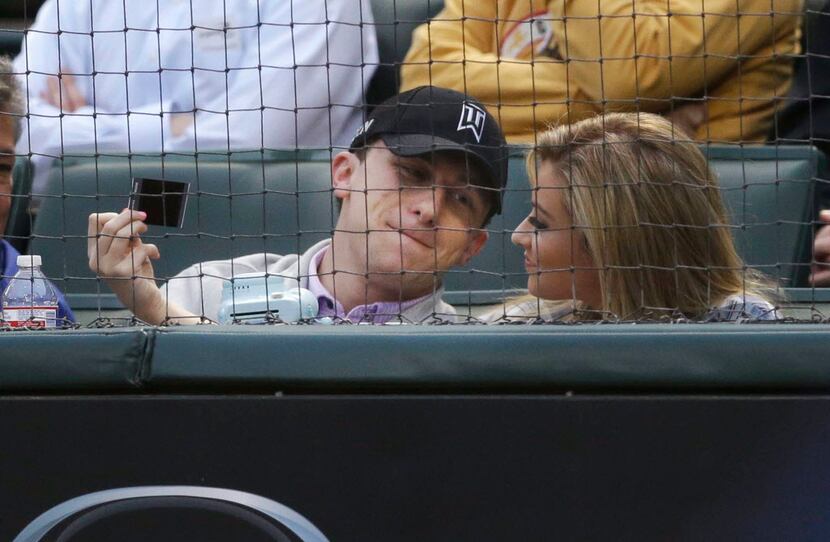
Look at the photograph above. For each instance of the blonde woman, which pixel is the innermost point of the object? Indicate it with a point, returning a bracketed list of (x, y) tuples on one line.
[(628, 224)]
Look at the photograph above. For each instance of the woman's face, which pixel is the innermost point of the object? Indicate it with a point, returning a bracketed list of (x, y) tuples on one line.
[(556, 257)]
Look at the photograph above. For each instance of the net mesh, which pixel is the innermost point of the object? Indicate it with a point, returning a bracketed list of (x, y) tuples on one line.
[(663, 160)]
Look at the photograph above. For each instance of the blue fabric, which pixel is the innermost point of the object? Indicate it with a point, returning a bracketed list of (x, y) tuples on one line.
[(8, 265)]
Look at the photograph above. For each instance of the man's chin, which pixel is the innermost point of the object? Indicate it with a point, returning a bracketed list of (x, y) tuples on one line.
[(406, 278)]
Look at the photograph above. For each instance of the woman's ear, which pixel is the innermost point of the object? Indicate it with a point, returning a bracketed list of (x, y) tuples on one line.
[(344, 166)]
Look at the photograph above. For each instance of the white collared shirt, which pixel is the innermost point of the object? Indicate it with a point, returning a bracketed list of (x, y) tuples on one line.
[(237, 68)]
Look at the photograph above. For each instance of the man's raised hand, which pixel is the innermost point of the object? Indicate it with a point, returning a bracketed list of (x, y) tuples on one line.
[(119, 256), (115, 248)]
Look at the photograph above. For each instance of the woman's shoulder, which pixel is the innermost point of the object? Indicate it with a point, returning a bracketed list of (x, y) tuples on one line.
[(528, 310)]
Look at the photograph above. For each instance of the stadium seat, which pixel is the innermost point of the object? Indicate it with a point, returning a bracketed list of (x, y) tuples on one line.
[(770, 194), (10, 41), (394, 22), (239, 204)]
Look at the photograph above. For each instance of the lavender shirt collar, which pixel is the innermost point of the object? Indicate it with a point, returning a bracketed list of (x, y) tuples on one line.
[(374, 313)]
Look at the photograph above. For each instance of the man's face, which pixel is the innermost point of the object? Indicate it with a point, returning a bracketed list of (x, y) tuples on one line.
[(6, 166), (409, 217)]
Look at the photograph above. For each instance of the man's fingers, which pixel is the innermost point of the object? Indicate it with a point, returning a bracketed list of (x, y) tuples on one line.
[(820, 270), (135, 265), (128, 255), (105, 228), (142, 255), (152, 251), (96, 222), (67, 104), (126, 239), (62, 92), (688, 117), (52, 94), (820, 277), (73, 97), (821, 247), (113, 226), (821, 244)]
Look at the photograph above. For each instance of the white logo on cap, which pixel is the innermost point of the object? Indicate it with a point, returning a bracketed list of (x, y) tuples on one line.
[(472, 118), (365, 127)]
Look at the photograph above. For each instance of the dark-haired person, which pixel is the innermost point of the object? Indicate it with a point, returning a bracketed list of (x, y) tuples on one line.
[(10, 111), (419, 183)]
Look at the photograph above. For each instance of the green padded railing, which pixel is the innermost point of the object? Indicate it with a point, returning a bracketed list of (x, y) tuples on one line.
[(752, 358), (83, 360)]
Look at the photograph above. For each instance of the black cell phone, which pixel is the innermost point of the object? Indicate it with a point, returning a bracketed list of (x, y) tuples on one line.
[(164, 201)]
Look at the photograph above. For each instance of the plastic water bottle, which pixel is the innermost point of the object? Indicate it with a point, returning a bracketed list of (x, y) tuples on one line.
[(30, 300)]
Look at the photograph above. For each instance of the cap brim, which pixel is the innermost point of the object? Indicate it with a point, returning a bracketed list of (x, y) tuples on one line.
[(416, 144), (420, 144)]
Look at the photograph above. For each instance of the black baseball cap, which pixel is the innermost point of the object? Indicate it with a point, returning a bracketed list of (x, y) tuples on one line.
[(427, 119)]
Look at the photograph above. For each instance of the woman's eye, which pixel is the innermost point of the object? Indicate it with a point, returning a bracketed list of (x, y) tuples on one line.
[(536, 223)]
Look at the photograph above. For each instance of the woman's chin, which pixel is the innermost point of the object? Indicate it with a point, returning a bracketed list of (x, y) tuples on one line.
[(533, 286), (538, 289)]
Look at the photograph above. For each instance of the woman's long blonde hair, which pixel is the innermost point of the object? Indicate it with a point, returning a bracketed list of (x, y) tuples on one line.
[(651, 213)]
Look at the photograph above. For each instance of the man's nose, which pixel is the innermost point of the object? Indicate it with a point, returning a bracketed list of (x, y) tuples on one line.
[(427, 204)]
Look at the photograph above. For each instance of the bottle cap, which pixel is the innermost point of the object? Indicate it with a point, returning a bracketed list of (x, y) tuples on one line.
[(28, 260)]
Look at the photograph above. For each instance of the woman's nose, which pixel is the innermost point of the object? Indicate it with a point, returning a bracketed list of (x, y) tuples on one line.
[(522, 234)]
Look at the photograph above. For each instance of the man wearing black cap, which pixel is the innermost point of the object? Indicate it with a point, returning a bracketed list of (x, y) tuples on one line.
[(419, 183)]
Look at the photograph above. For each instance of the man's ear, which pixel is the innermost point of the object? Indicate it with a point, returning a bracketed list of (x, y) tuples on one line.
[(477, 241), (343, 168)]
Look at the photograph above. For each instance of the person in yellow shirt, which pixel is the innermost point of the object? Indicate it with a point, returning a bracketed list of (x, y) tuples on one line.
[(535, 63)]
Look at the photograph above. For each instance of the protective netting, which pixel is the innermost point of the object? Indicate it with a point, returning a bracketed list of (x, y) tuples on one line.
[(596, 161)]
